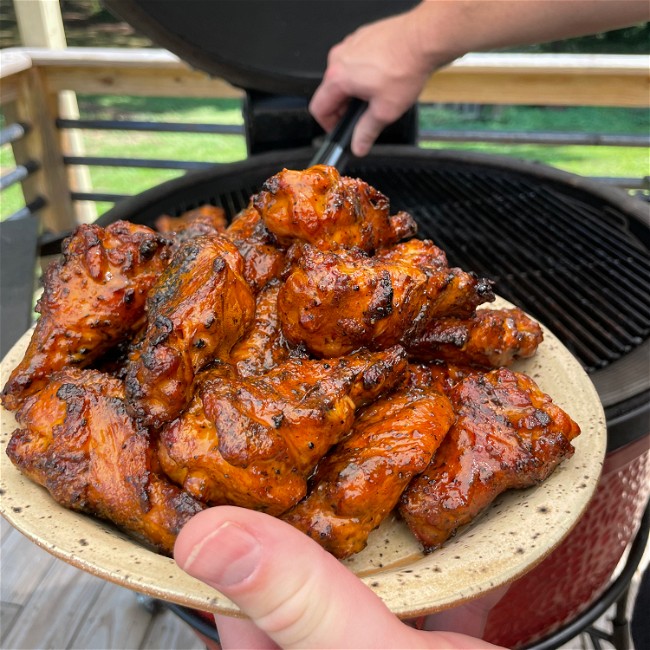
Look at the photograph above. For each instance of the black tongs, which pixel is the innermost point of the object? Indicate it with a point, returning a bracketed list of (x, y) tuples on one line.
[(337, 141)]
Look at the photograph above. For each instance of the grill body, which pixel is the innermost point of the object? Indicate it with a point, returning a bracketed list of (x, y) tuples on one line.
[(571, 253)]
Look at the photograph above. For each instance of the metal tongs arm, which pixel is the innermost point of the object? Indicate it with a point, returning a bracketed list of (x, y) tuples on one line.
[(337, 141)]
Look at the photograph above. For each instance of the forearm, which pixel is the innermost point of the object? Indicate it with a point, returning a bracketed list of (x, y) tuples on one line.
[(446, 29)]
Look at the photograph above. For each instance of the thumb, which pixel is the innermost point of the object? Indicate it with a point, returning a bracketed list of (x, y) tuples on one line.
[(293, 591)]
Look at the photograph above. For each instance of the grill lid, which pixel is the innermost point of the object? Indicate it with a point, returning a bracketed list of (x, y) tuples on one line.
[(274, 46)]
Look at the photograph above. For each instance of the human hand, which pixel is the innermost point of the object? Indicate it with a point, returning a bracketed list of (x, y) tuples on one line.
[(295, 594), (379, 63)]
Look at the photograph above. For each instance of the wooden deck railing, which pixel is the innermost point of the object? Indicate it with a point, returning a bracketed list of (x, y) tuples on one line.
[(32, 79)]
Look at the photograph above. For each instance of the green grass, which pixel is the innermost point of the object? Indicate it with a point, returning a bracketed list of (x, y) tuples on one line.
[(584, 160), (585, 119)]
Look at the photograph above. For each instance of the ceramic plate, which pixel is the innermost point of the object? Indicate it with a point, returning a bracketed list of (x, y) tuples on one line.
[(518, 530)]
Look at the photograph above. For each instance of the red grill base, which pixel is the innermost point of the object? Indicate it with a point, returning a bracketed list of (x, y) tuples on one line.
[(571, 578)]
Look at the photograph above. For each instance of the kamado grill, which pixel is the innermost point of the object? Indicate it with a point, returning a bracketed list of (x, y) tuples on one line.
[(570, 252)]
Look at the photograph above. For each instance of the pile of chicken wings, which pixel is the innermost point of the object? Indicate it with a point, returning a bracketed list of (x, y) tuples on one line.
[(311, 359)]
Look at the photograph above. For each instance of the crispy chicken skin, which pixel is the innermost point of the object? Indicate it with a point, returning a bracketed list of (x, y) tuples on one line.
[(196, 312), (508, 434), (78, 441), (253, 442), (204, 220), (320, 207), (491, 338), (264, 258), (360, 481), (263, 347), (94, 298), (334, 302)]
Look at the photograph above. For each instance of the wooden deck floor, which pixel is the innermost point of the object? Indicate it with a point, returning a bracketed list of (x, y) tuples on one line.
[(47, 604)]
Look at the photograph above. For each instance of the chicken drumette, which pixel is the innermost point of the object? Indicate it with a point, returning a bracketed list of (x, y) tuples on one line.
[(196, 312), (253, 442), (360, 481), (78, 441), (508, 434), (490, 338), (93, 298)]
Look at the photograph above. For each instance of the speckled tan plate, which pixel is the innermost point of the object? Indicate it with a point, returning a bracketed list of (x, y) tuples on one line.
[(514, 534)]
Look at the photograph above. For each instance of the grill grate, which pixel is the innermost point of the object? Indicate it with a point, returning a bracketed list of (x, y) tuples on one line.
[(573, 265)]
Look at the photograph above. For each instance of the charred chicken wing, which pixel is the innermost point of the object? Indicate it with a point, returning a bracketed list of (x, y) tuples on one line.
[(336, 302), (360, 481), (78, 441), (196, 312), (449, 291), (94, 298), (253, 442), (323, 208), (508, 434), (491, 338)]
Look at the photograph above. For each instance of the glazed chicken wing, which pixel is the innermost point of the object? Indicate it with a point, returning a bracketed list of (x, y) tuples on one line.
[(360, 481), (263, 347), (320, 207), (94, 298), (336, 302), (449, 291), (196, 312), (491, 338), (77, 440), (253, 442), (264, 258), (205, 220), (508, 434)]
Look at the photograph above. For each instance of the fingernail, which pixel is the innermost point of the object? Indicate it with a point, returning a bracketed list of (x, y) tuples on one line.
[(225, 557)]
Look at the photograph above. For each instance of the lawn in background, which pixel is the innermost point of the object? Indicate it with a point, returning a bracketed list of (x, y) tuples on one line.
[(585, 160)]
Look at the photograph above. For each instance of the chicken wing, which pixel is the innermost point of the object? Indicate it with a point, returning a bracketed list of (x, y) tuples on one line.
[(264, 258), (253, 442), (319, 206), (449, 291), (508, 434), (77, 440), (94, 298), (204, 220), (336, 302), (360, 481), (196, 312), (491, 338), (263, 347)]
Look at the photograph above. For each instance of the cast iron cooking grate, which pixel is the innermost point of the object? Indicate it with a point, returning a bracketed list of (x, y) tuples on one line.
[(575, 266)]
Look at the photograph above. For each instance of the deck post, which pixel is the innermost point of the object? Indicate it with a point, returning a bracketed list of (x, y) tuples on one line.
[(35, 107), (41, 25)]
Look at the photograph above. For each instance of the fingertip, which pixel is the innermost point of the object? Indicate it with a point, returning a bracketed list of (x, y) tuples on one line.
[(365, 134), (291, 588)]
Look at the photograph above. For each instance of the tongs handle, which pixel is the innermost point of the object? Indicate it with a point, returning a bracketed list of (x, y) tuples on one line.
[(338, 139)]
